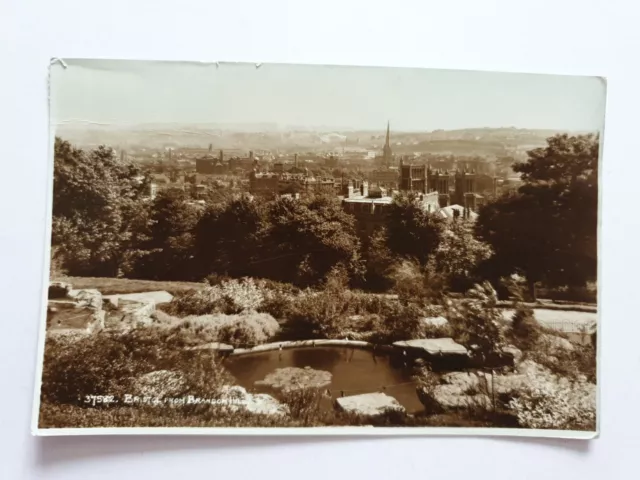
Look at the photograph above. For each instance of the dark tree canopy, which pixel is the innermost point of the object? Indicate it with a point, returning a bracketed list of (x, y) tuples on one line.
[(228, 237), (548, 229), (412, 231), (96, 198), (305, 239), (167, 251)]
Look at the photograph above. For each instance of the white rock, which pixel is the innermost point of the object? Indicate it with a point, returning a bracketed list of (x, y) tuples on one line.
[(453, 397), (260, 403), (435, 321), (513, 350), (292, 378), (434, 346), (557, 344), (370, 404), (464, 380), (156, 298), (89, 297)]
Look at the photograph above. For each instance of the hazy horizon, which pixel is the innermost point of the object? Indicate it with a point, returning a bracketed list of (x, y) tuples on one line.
[(121, 93)]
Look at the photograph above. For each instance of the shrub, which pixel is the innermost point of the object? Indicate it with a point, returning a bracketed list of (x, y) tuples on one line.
[(278, 305), (401, 322), (246, 329), (319, 315), (249, 329), (437, 331), (458, 255), (232, 296), (475, 321), (525, 329), (109, 362), (573, 363), (549, 401)]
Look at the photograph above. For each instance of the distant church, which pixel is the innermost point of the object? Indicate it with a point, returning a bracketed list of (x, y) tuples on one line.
[(452, 188), (387, 154), (386, 176)]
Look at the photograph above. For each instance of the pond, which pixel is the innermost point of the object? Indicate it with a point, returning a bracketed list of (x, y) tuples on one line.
[(354, 371)]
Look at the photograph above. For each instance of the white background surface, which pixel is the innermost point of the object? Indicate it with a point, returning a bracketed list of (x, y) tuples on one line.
[(554, 36)]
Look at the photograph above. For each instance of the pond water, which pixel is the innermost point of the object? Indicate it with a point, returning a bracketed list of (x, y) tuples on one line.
[(354, 371)]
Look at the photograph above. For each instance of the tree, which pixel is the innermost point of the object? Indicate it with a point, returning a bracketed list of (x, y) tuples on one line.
[(378, 260), (548, 229), (167, 252), (476, 321), (97, 199), (228, 237), (305, 239), (412, 231), (459, 254)]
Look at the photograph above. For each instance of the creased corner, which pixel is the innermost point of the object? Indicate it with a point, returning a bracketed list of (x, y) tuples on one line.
[(55, 60)]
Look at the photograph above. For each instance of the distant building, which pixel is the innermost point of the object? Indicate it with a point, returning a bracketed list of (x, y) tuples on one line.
[(387, 174), (387, 154), (296, 181), (243, 163), (210, 165), (453, 212), (387, 178), (465, 190), (413, 178), (371, 205), (440, 181)]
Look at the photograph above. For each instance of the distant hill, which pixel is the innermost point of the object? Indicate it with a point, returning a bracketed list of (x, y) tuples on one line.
[(475, 141)]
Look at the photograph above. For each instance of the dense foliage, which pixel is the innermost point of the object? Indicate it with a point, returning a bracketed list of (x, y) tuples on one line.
[(97, 207), (104, 225), (548, 229)]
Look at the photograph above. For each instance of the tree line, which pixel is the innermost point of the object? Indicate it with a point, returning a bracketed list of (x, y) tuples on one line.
[(105, 225)]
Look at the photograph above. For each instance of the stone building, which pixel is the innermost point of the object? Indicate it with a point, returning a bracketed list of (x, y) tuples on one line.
[(413, 178), (370, 205), (210, 165), (296, 181)]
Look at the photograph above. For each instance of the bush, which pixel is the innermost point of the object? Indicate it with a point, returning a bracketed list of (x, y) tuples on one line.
[(421, 285), (548, 401), (476, 321), (229, 297), (319, 315), (247, 329), (579, 361), (437, 331), (109, 362), (525, 329), (400, 322)]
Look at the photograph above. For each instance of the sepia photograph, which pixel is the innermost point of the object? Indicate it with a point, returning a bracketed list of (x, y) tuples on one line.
[(271, 247)]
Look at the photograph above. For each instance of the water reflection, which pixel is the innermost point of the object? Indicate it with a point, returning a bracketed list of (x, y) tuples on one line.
[(354, 371)]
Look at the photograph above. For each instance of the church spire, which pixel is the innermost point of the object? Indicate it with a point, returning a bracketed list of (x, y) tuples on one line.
[(386, 150), (386, 143)]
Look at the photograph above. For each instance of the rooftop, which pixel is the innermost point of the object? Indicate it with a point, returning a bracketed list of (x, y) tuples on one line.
[(377, 200), (447, 212)]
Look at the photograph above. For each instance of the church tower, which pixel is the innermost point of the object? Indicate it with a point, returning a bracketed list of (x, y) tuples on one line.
[(386, 150)]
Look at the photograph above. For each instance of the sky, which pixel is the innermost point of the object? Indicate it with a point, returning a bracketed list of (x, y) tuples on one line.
[(134, 92)]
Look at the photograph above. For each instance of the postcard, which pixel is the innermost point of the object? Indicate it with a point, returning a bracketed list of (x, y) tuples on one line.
[(282, 249)]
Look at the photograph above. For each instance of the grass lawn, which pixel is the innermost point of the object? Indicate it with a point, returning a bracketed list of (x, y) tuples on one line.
[(108, 286)]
